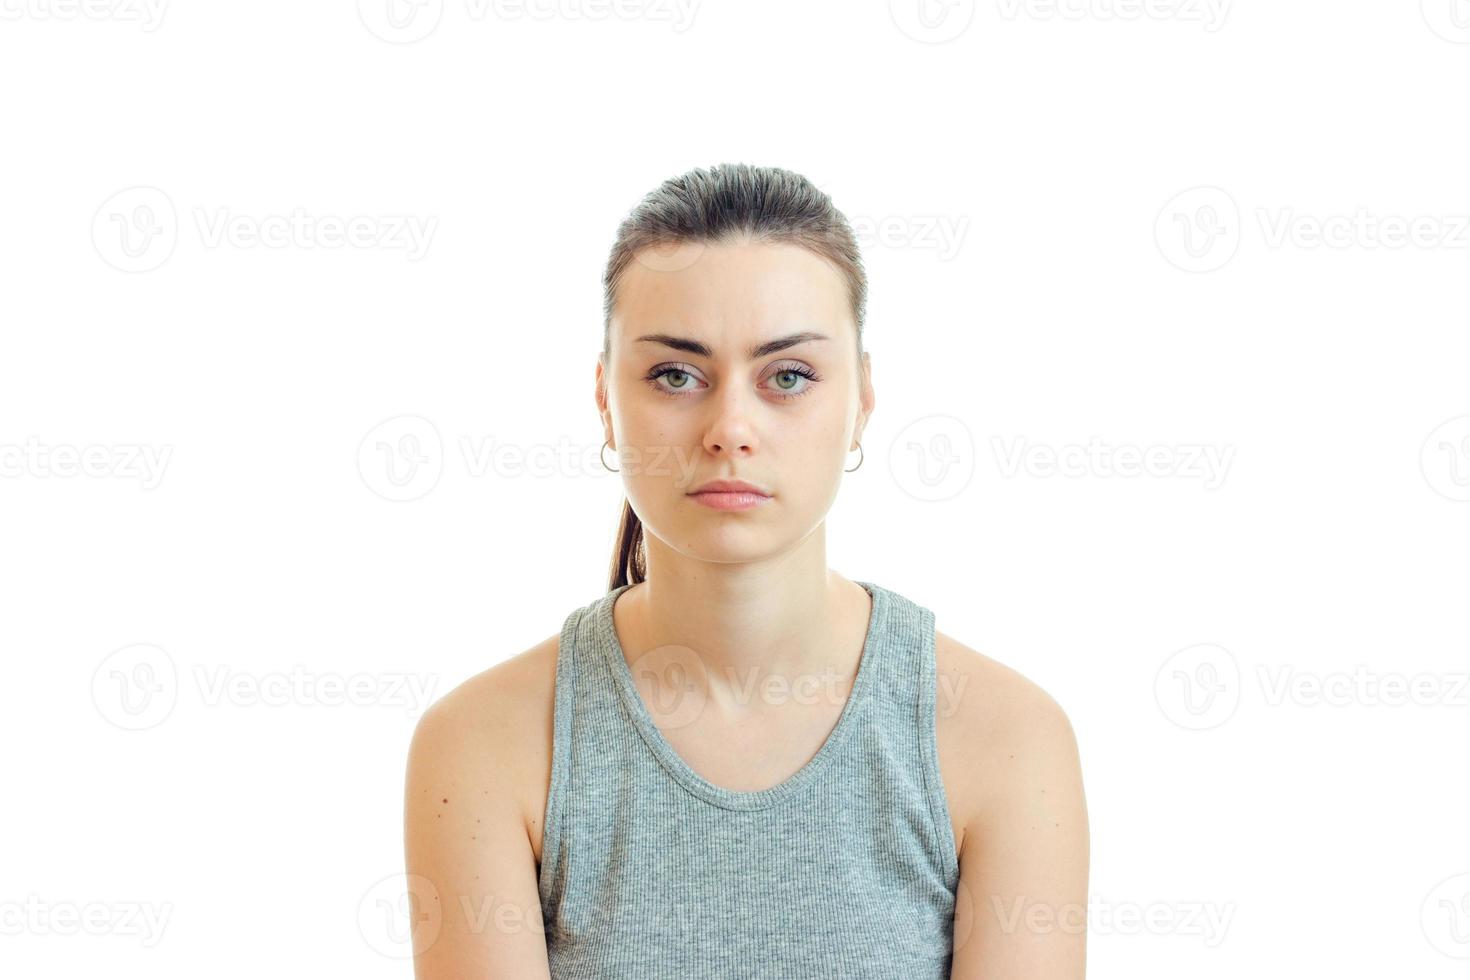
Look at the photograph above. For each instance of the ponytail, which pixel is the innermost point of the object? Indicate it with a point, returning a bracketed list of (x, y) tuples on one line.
[(629, 559)]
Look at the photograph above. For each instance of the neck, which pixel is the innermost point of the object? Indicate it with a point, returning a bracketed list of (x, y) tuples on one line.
[(770, 632)]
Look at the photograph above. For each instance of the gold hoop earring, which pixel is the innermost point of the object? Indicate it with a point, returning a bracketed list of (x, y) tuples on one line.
[(603, 461), (861, 457)]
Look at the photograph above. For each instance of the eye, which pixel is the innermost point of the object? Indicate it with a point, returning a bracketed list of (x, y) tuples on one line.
[(793, 380), (680, 379)]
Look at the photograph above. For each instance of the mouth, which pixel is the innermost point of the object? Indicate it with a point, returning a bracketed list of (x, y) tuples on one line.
[(730, 495)]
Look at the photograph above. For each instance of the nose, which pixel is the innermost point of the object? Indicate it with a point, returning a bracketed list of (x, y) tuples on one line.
[(729, 430)]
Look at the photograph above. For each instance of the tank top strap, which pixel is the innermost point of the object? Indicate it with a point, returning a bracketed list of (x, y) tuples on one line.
[(578, 688), (906, 647), (907, 685)]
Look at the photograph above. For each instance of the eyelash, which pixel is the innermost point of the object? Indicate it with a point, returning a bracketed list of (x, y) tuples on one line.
[(660, 370)]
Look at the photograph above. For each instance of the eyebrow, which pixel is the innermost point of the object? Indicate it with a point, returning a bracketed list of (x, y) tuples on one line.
[(704, 350)]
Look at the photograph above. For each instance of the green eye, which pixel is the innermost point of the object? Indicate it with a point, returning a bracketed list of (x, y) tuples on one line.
[(794, 381), (679, 381)]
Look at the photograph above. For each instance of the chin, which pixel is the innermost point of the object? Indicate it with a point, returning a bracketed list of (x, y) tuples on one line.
[(721, 539)]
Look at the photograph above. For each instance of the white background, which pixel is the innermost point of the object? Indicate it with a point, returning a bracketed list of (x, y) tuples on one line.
[(1188, 225)]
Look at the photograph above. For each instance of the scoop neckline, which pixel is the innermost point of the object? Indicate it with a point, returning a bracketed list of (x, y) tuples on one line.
[(674, 763)]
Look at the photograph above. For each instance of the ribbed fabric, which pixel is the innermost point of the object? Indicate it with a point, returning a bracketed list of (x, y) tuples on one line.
[(845, 869)]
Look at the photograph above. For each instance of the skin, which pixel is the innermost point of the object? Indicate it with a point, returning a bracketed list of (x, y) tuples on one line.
[(742, 602)]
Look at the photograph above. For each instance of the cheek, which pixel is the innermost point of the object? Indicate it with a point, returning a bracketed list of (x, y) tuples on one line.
[(643, 420), (830, 437), (658, 460)]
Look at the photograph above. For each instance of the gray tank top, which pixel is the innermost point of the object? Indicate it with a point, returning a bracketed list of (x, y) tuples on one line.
[(845, 869)]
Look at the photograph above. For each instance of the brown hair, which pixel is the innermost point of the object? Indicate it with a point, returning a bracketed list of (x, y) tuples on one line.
[(726, 201)]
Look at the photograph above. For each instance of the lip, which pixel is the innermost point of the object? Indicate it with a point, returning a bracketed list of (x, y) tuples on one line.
[(729, 486), (730, 495)]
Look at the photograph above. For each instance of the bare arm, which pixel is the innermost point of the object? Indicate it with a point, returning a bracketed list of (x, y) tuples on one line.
[(471, 869), (1022, 901)]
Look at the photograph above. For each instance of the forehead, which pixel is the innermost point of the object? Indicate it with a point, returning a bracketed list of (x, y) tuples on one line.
[(751, 288)]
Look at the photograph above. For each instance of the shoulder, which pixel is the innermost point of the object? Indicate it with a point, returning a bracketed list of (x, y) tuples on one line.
[(1001, 737), (473, 782), (490, 736)]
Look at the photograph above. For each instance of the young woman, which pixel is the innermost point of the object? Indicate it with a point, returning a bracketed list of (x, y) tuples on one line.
[(738, 762)]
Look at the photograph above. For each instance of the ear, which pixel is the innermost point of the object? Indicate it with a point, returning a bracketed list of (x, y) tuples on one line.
[(599, 396), (866, 398)]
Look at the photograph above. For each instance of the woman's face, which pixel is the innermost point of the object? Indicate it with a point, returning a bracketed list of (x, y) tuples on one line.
[(688, 395)]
